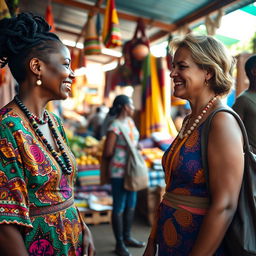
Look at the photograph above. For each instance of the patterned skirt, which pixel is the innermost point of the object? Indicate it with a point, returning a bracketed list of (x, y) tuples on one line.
[(177, 232)]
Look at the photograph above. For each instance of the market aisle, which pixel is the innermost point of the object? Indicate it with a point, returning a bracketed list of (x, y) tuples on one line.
[(104, 238)]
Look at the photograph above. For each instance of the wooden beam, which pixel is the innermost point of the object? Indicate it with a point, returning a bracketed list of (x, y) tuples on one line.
[(91, 13), (121, 15), (195, 16), (58, 29)]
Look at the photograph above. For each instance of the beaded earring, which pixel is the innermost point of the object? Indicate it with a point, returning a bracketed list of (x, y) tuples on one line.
[(38, 81)]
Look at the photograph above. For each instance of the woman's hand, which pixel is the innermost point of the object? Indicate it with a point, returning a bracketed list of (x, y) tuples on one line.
[(150, 248), (88, 244)]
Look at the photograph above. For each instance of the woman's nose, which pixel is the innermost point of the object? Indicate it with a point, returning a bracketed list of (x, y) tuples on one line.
[(172, 73), (72, 74)]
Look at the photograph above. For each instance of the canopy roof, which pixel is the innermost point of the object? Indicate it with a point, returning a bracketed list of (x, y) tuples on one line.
[(161, 17)]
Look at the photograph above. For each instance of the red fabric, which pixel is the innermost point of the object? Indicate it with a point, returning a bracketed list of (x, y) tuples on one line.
[(49, 17)]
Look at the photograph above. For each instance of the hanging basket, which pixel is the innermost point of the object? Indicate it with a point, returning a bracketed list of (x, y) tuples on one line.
[(92, 44)]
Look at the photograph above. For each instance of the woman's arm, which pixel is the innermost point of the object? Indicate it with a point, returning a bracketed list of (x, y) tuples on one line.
[(226, 165), (11, 241), (110, 143), (88, 244)]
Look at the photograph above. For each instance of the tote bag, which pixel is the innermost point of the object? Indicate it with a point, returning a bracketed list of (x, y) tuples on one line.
[(136, 173), (240, 238)]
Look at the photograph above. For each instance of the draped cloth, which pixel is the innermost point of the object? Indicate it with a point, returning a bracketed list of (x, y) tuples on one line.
[(111, 34), (155, 114), (49, 17), (4, 11)]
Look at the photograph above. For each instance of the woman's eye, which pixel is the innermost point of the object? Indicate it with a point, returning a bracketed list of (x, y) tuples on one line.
[(182, 67)]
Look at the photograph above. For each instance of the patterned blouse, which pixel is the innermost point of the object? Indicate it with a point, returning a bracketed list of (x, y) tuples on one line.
[(119, 159), (32, 181)]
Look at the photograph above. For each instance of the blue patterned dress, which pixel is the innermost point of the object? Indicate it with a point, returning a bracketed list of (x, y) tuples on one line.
[(177, 229)]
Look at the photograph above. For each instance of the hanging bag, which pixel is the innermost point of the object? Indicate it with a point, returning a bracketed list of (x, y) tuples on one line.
[(135, 51), (136, 173), (240, 238), (91, 41)]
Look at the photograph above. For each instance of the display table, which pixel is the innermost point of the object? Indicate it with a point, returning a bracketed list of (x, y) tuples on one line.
[(148, 201)]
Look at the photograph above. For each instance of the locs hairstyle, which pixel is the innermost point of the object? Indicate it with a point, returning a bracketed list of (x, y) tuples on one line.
[(22, 38)]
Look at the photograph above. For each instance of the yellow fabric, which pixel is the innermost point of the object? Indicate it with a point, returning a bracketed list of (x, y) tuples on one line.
[(111, 35), (155, 117), (4, 11)]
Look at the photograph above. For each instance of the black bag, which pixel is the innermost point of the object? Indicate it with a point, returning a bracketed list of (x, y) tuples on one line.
[(240, 238)]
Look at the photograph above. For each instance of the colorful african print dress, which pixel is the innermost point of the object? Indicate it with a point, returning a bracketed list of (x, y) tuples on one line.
[(34, 194), (178, 225)]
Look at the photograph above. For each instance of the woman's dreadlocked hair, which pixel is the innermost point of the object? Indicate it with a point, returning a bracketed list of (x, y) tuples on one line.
[(22, 38)]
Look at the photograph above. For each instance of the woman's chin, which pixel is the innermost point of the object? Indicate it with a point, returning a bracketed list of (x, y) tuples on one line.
[(179, 95)]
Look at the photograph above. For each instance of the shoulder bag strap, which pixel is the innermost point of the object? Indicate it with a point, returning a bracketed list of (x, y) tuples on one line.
[(127, 138), (205, 133)]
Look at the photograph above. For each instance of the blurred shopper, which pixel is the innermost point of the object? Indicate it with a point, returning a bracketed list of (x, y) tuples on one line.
[(37, 168), (95, 123), (193, 217), (245, 104), (116, 149)]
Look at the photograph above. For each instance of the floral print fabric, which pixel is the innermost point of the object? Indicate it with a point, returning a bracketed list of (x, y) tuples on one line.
[(178, 229), (29, 178), (119, 159)]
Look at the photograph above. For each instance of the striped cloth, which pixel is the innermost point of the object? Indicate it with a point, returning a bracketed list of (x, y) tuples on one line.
[(111, 34)]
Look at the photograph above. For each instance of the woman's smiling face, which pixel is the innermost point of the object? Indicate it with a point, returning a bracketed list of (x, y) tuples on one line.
[(188, 77), (57, 75)]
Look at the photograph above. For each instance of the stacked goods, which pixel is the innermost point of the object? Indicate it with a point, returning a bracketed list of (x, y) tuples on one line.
[(152, 155), (153, 159)]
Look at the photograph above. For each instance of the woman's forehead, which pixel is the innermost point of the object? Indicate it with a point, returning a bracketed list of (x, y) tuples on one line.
[(182, 54)]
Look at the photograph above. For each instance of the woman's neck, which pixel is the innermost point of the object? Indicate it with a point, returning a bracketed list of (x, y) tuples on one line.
[(34, 104)]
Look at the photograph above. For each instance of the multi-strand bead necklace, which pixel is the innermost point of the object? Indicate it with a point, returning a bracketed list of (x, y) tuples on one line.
[(34, 120)]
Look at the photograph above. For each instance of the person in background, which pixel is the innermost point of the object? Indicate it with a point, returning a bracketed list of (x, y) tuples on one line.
[(193, 217), (37, 168), (116, 149), (245, 104), (95, 122)]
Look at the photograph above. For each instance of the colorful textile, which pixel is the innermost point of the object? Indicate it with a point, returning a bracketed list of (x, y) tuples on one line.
[(31, 178), (91, 41), (111, 34), (155, 117), (119, 159), (49, 17), (177, 229), (156, 178), (4, 11)]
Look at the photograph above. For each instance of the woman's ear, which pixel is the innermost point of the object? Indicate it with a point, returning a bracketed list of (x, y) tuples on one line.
[(209, 74), (35, 66)]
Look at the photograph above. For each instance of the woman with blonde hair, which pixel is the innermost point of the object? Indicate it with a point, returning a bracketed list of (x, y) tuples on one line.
[(193, 216)]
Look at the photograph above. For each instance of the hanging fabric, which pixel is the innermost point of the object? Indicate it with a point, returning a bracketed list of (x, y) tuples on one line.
[(49, 16), (153, 114), (91, 41), (4, 11), (135, 51), (111, 34)]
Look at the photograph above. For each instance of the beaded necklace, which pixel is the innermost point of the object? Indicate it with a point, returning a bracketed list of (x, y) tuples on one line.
[(197, 120), (65, 167)]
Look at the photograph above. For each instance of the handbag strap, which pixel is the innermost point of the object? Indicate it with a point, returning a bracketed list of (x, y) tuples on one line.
[(127, 138), (205, 133)]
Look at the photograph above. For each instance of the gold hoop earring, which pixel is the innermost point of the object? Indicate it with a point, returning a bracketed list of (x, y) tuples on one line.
[(38, 81), (206, 82)]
